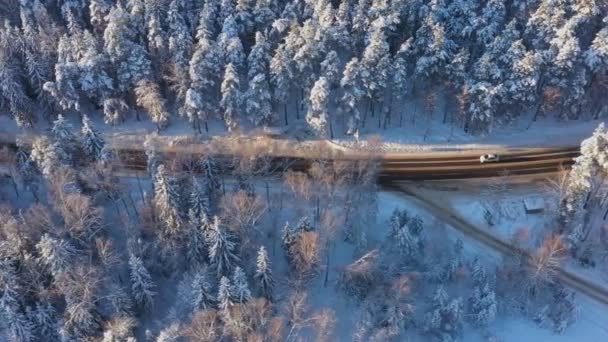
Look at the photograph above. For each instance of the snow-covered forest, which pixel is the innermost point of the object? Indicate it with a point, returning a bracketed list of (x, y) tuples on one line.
[(188, 251), (338, 65)]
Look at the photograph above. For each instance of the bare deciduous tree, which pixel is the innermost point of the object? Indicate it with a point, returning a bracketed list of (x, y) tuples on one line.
[(150, 99), (306, 252), (81, 219), (548, 259), (205, 326)]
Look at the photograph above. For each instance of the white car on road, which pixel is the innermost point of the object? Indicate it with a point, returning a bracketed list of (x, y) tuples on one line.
[(489, 158)]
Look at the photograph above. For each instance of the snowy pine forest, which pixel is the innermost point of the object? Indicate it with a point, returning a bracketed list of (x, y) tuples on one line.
[(338, 65), (186, 251), (243, 246)]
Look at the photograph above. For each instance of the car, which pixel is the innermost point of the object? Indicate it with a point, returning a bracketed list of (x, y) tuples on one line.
[(489, 158)]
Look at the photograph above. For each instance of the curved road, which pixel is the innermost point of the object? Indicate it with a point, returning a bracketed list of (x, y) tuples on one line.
[(568, 278)]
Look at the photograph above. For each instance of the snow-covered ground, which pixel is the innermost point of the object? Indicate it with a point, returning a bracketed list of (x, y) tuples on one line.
[(591, 326), (420, 136)]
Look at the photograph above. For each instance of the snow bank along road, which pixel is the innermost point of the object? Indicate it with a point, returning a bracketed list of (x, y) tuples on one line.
[(570, 279)]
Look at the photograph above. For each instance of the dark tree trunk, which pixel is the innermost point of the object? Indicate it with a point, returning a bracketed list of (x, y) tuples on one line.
[(285, 114)]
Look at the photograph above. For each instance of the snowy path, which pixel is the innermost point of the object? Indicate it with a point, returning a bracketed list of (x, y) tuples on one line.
[(584, 286)]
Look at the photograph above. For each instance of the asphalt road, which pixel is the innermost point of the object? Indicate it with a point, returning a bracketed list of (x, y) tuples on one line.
[(460, 165), (433, 165)]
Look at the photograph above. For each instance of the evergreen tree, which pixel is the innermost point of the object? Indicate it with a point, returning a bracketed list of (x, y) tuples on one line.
[(167, 203), (201, 99), (199, 201), (263, 274), (375, 67), (208, 21), (330, 68), (240, 289), (93, 143), (222, 248), (64, 140), (257, 61), (93, 66), (352, 89), (114, 110), (445, 318), (224, 295), (180, 41), (257, 103), (483, 305), (211, 175), (244, 16), (125, 53), (56, 254), (142, 285), (318, 114), (280, 78), (202, 299), (48, 156), (45, 320), (231, 97)]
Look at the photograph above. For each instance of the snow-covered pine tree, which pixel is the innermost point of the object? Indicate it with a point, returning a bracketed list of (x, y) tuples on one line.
[(180, 40), (352, 92), (98, 10), (263, 274), (208, 21), (93, 66), (124, 51), (257, 61), (65, 88), (222, 248), (483, 305), (26, 168), (318, 114), (114, 110), (224, 295), (306, 57), (47, 156), (212, 181), (13, 95), (257, 102), (56, 254), (240, 288), (280, 79), (16, 324), (244, 16), (142, 285), (304, 225), (202, 299), (201, 100), (64, 140), (258, 98), (44, 317), (199, 200), (231, 45), (92, 141), (264, 13), (231, 97), (445, 318), (375, 66), (563, 309), (330, 68), (166, 202)]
